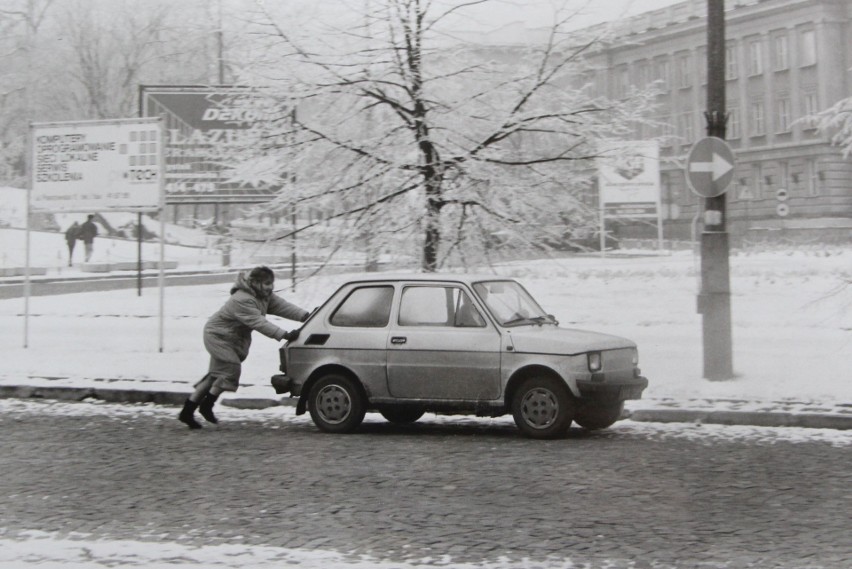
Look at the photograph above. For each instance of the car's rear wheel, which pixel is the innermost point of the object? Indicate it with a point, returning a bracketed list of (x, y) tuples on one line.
[(543, 407), (337, 404), (599, 416), (402, 415)]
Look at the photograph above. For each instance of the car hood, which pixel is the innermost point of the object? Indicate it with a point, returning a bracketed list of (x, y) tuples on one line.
[(552, 340)]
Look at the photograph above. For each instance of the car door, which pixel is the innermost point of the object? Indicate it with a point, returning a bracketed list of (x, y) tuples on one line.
[(442, 347)]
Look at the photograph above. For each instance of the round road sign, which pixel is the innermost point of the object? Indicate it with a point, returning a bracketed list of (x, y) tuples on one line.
[(710, 167)]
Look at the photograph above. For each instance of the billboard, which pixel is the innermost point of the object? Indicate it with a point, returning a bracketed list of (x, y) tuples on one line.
[(89, 166), (200, 123), (629, 179)]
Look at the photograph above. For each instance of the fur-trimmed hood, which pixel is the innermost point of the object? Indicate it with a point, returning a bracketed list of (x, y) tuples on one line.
[(243, 283)]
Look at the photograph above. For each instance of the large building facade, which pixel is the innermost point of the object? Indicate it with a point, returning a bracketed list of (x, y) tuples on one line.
[(784, 60)]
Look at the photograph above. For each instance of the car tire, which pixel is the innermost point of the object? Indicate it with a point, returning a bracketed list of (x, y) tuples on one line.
[(597, 417), (402, 415), (336, 404), (543, 407)]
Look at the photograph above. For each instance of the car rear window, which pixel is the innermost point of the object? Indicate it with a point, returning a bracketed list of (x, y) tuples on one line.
[(367, 307)]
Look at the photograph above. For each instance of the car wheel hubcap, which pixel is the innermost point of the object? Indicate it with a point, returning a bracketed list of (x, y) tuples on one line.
[(333, 404), (539, 408)]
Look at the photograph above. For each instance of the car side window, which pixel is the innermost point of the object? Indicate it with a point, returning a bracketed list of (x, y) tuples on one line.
[(438, 306), (367, 307), (467, 315)]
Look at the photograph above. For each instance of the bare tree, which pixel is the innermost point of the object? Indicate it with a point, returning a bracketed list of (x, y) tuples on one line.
[(114, 46), (21, 22), (409, 133)]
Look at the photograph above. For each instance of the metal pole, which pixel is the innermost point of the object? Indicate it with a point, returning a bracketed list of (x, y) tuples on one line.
[(138, 254), (162, 279), (30, 154), (293, 211), (140, 114), (715, 297)]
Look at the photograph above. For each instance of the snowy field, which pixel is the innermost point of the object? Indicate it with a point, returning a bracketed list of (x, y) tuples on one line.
[(791, 311)]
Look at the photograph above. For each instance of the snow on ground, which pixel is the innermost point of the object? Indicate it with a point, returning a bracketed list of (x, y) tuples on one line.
[(85, 551), (792, 339), (791, 311)]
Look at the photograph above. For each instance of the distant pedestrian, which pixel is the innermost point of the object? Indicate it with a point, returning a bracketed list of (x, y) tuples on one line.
[(71, 235), (227, 338), (87, 234)]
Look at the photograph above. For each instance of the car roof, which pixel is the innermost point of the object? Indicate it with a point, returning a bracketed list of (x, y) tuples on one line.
[(466, 278)]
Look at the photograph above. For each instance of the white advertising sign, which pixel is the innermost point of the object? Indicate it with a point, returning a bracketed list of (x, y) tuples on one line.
[(95, 166), (629, 177)]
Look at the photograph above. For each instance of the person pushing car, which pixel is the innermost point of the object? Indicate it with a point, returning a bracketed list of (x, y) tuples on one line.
[(227, 338)]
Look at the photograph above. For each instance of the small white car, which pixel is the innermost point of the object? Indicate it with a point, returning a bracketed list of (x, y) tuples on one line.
[(404, 345)]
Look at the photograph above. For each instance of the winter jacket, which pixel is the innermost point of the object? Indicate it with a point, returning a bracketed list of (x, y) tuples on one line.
[(87, 232), (72, 233), (227, 334)]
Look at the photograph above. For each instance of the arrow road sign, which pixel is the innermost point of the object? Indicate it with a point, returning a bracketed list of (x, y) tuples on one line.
[(717, 168), (710, 167)]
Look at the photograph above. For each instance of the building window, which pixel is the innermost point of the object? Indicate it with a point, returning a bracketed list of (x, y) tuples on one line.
[(807, 48), (702, 65), (782, 107), (661, 73), (684, 71), (755, 58), (780, 54), (757, 120), (757, 180), (812, 174), (622, 82), (811, 108), (784, 176), (643, 73), (666, 130), (734, 129), (686, 129), (731, 62)]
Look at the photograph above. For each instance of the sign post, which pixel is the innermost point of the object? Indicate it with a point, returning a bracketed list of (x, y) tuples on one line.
[(709, 171)]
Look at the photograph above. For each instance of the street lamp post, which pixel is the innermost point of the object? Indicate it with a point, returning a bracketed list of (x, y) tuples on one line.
[(714, 302)]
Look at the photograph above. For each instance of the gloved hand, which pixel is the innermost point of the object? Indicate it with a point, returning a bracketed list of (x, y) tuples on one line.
[(291, 335)]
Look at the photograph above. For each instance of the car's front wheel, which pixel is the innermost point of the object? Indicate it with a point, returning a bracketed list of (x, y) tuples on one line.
[(337, 404), (543, 407), (402, 415), (599, 417)]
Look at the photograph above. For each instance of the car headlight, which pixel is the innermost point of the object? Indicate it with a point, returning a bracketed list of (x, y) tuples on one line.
[(635, 357), (595, 361)]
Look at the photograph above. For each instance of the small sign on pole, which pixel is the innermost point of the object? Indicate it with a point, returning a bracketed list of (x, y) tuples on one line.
[(710, 167)]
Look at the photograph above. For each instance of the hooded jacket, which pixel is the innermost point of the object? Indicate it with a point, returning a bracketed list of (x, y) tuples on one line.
[(227, 334)]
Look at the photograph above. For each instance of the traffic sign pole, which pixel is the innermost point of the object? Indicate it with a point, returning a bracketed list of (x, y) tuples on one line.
[(714, 300)]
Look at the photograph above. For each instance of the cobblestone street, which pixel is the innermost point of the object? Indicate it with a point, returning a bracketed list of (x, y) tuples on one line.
[(472, 491)]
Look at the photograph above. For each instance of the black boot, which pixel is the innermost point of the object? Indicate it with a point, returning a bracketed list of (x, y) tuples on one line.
[(206, 407), (186, 414)]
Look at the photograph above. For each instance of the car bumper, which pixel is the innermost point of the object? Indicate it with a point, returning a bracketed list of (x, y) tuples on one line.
[(599, 388), (281, 383)]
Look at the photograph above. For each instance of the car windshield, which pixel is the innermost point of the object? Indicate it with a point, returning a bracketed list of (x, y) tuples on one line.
[(510, 304)]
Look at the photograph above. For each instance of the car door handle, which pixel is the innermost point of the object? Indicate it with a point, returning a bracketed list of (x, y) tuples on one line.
[(398, 340)]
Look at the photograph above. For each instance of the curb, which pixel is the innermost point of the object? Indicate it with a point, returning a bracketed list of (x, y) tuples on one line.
[(171, 398), (174, 398), (744, 418)]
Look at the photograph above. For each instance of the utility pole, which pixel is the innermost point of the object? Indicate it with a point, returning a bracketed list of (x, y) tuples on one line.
[(714, 301)]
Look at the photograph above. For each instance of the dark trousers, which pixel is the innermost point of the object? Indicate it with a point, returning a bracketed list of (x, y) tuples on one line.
[(71, 251)]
